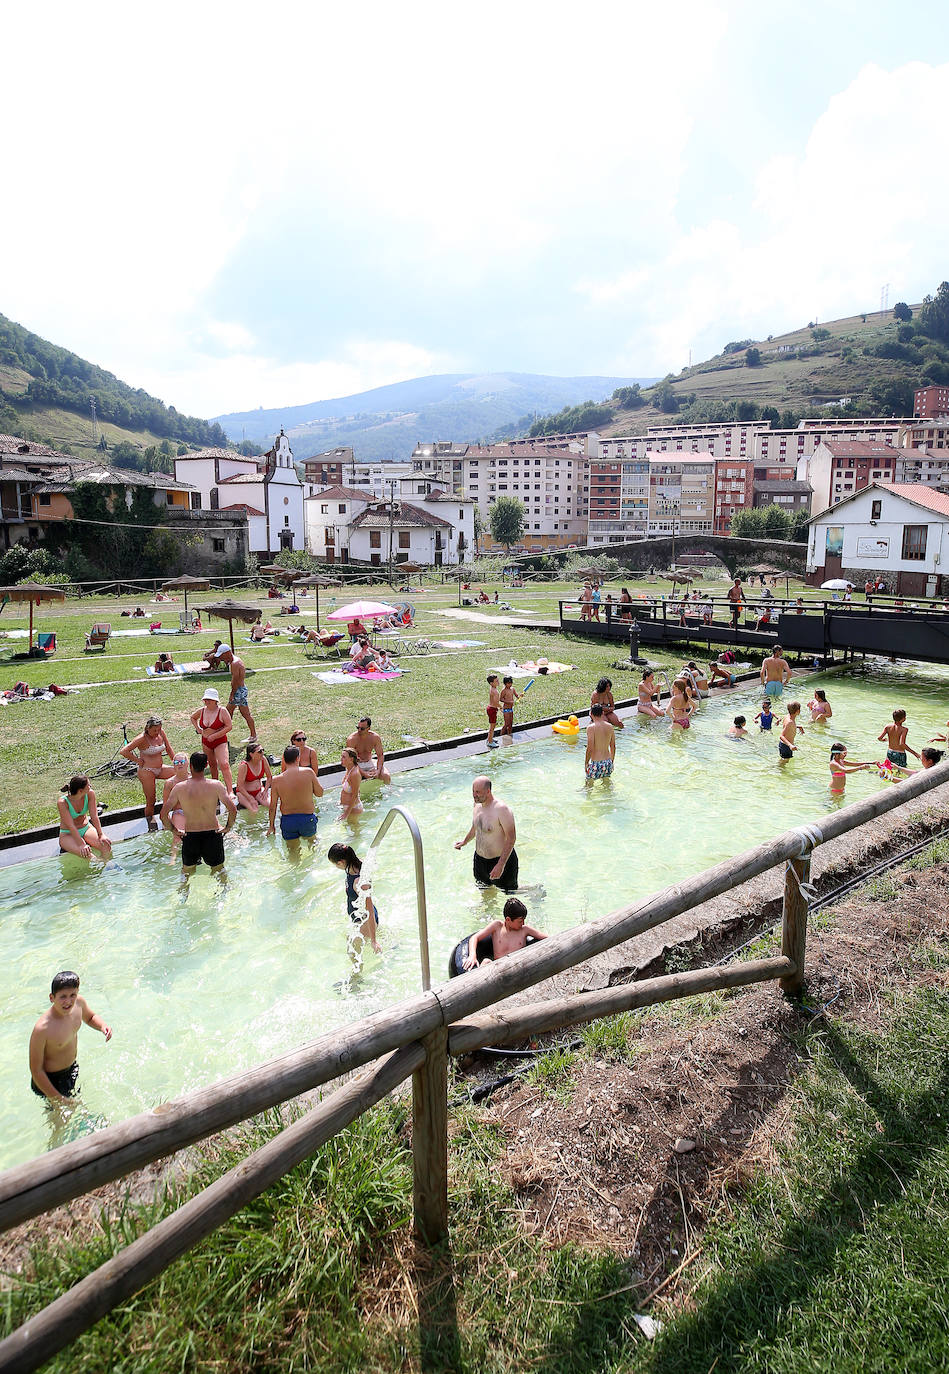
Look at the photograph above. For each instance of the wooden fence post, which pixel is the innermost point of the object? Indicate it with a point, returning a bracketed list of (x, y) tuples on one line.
[(430, 1140), (794, 922)]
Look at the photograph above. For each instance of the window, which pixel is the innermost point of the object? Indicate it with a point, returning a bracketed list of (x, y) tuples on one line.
[(286, 520), (375, 539), (324, 508), (217, 545), (914, 542), (45, 500), (404, 539), (195, 500), (876, 510), (342, 508)]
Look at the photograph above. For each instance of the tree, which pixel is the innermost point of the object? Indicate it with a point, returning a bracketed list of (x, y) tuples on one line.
[(901, 311), (753, 357), (629, 397), (507, 521), (770, 413), (819, 334), (665, 399), (934, 315)]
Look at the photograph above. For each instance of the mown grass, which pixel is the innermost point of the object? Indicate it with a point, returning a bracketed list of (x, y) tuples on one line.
[(42, 743)]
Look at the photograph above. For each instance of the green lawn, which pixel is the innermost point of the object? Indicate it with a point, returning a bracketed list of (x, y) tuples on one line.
[(42, 743)]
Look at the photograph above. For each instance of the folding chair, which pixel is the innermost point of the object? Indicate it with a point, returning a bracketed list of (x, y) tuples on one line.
[(98, 636), (46, 643)]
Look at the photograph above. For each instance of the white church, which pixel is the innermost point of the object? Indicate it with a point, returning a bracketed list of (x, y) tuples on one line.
[(267, 489)]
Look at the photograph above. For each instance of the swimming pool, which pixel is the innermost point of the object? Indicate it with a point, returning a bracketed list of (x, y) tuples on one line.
[(197, 985)]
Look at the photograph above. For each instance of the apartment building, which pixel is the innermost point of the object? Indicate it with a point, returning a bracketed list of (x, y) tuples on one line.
[(681, 494), (923, 466), (550, 477), (928, 434), (721, 441), (734, 490), (329, 469), (931, 401), (790, 496), (840, 467), (619, 500)]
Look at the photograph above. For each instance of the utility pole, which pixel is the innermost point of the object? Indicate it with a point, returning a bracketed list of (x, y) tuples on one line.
[(95, 428), (884, 297), (391, 486)]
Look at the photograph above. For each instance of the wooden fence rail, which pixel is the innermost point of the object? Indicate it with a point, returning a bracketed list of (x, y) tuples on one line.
[(436, 1019)]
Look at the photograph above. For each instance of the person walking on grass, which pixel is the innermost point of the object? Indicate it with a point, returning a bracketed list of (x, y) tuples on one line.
[(238, 696)]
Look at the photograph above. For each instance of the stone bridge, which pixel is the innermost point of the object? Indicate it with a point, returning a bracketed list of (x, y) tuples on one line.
[(642, 554)]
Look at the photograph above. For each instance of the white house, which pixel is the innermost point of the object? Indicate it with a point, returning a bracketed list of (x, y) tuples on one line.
[(328, 515), (267, 488), (409, 532), (897, 531)]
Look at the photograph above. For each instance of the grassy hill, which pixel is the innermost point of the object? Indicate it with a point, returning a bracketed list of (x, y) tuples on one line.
[(46, 394), (797, 373)]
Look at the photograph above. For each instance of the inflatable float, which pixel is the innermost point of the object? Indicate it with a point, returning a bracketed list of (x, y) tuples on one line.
[(456, 960), (570, 727)]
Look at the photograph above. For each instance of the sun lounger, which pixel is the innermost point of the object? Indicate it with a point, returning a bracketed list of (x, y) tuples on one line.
[(46, 642), (98, 636)]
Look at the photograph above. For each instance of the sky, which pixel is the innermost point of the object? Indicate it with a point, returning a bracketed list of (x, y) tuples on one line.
[(234, 206)]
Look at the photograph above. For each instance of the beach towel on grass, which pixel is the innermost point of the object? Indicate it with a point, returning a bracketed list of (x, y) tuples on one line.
[(336, 677), (458, 643), (532, 669)]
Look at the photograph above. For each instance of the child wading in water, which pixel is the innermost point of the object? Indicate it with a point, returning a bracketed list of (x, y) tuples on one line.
[(53, 1069), (737, 729), (494, 701), (895, 736), (789, 730), (359, 903), (680, 707), (819, 706), (765, 718), (839, 767), (508, 697)]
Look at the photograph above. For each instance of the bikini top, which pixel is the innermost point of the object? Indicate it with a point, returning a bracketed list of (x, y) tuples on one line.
[(78, 815), (251, 775), (152, 746)]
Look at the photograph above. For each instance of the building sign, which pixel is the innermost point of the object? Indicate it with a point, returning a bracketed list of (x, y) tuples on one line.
[(873, 548), (835, 541)]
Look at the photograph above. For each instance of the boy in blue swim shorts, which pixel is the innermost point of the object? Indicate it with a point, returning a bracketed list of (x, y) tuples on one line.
[(601, 745), (296, 790)]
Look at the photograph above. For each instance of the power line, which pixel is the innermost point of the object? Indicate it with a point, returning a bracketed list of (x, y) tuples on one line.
[(119, 525)]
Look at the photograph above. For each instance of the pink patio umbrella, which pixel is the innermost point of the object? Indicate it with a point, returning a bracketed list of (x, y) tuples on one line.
[(362, 610)]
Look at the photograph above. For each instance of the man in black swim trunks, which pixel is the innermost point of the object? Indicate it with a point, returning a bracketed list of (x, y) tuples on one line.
[(53, 1068), (198, 799), (495, 860)]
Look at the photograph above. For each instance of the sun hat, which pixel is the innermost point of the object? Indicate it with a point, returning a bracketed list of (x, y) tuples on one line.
[(211, 694)]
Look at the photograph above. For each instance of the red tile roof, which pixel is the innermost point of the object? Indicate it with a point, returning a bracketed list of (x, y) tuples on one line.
[(338, 493), (921, 495), (242, 505)]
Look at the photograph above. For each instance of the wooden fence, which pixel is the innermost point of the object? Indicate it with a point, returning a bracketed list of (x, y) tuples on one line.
[(413, 1038)]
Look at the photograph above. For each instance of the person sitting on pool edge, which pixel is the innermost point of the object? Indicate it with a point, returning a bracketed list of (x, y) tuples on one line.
[(506, 936), (54, 1072)]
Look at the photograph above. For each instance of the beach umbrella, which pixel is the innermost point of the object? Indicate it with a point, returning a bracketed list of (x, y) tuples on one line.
[(316, 581), (186, 584), (836, 584), (233, 610), (34, 594), (679, 577), (766, 569), (362, 610), (276, 570)]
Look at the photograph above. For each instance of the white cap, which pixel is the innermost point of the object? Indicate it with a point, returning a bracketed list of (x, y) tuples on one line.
[(211, 694)]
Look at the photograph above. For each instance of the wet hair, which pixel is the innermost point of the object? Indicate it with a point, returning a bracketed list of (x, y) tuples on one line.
[(291, 754), (933, 755), (793, 708), (681, 684), (596, 710), (352, 754), (836, 749), (75, 784), (198, 761), (65, 979), (514, 908), (693, 665), (364, 720), (492, 677), (739, 721), (152, 722), (338, 852), (899, 715), (604, 684), (820, 694)]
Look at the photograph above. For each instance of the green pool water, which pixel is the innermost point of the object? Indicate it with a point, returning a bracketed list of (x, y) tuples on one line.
[(198, 984)]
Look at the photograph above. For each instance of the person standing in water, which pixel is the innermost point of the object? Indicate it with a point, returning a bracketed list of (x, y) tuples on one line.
[(359, 904), (495, 862), (147, 751), (54, 1071), (775, 672), (199, 798), (789, 731), (895, 736), (494, 701), (680, 707), (839, 768), (601, 745), (214, 724), (296, 789), (349, 791)]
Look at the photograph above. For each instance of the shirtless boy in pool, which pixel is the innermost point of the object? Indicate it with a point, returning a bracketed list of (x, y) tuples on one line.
[(54, 1072)]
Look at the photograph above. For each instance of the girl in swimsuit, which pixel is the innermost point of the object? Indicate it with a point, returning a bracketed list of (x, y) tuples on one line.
[(147, 750), (819, 706), (253, 779), (680, 707), (603, 696), (214, 724), (839, 768), (359, 903), (349, 792), (647, 694), (80, 830), (308, 758)]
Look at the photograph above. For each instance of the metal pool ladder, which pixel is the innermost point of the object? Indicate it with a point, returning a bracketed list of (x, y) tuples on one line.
[(420, 902)]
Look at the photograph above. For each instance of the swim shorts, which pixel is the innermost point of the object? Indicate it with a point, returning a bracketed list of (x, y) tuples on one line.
[(599, 768), (492, 713), (206, 845), (481, 868), (240, 695), (367, 767), (785, 750), (299, 825), (774, 688), (897, 756), (63, 1080)]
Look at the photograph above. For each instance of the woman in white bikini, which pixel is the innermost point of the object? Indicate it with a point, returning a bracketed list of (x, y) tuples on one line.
[(147, 751), (253, 779), (647, 697), (349, 792)]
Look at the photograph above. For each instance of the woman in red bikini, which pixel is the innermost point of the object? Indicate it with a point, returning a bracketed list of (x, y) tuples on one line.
[(253, 779), (214, 725)]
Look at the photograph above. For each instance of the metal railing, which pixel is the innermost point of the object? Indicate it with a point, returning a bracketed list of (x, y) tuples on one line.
[(420, 899)]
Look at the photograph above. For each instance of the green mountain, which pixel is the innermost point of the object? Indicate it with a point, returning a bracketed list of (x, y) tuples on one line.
[(47, 394), (388, 421)]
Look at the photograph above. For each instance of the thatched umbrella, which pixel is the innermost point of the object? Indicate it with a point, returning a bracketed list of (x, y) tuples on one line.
[(280, 573), (186, 584), (316, 581), (233, 610), (33, 593), (679, 577)]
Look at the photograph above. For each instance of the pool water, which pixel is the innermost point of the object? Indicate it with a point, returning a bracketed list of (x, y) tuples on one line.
[(198, 983)]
